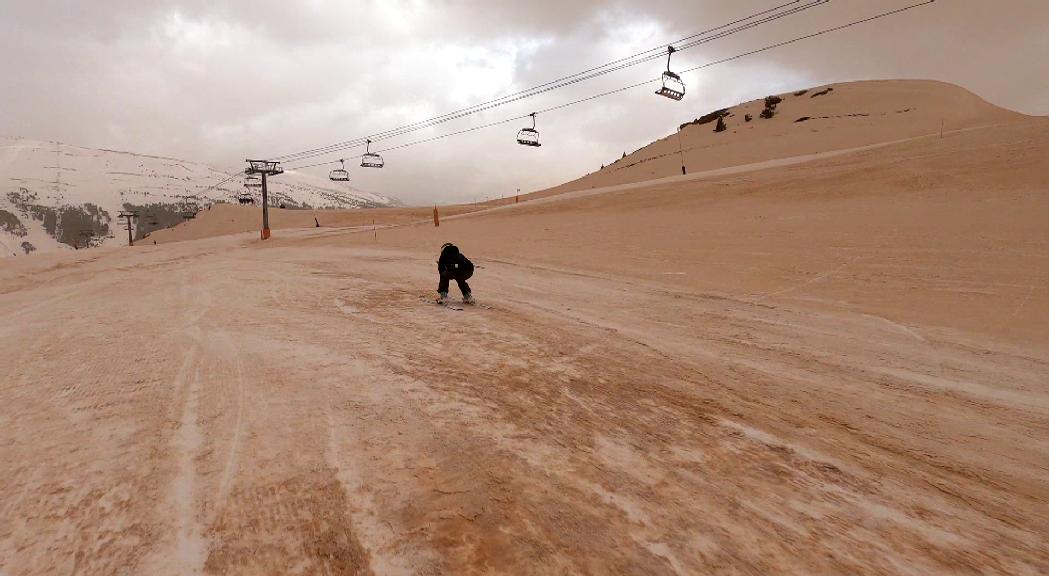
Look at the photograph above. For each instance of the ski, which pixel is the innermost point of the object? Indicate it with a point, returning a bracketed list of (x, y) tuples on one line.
[(447, 305)]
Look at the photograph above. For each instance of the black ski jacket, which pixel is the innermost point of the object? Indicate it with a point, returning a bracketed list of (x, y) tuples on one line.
[(453, 263)]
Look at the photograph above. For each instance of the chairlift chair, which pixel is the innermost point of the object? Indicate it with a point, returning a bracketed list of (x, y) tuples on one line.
[(371, 159), (529, 136), (339, 174), (253, 181), (673, 87)]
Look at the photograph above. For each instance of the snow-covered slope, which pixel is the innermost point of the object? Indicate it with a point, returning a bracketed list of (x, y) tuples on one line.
[(813, 121), (55, 196)]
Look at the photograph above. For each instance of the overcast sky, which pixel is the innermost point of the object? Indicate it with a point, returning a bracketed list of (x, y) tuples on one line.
[(218, 81)]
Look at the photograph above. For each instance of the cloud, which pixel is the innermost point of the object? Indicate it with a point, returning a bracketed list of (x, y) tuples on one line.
[(217, 81)]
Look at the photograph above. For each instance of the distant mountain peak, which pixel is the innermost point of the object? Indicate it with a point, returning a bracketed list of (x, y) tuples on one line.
[(55, 196)]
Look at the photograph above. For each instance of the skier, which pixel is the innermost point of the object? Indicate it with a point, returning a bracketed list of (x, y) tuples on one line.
[(452, 265)]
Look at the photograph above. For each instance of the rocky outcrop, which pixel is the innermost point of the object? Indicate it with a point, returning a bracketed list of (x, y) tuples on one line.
[(707, 118)]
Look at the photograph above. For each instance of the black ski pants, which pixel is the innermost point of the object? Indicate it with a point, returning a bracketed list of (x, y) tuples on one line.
[(460, 277)]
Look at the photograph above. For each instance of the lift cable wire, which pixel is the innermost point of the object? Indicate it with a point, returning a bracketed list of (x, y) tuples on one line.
[(424, 123), (639, 84), (229, 177), (417, 142), (813, 35), (686, 43), (769, 14), (536, 91)]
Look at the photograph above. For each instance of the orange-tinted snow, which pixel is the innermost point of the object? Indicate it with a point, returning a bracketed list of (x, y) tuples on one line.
[(829, 365)]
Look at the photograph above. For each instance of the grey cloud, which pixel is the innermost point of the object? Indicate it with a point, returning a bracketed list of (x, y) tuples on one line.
[(216, 81)]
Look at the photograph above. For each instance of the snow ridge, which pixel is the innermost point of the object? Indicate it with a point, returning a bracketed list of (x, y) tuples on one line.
[(55, 196)]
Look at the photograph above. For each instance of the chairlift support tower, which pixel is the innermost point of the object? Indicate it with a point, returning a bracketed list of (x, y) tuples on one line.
[(264, 168), (128, 215), (87, 235)]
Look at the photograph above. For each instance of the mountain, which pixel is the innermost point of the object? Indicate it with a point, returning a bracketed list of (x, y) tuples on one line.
[(55, 191), (56, 196), (817, 120)]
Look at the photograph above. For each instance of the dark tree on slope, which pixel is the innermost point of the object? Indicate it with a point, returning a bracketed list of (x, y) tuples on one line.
[(11, 223), (770, 106)]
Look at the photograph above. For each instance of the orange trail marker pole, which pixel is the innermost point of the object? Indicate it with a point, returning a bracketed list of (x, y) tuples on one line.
[(436, 218)]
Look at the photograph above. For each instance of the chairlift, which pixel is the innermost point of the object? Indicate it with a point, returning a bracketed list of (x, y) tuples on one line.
[(529, 136), (253, 181), (339, 174), (371, 159), (673, 87)]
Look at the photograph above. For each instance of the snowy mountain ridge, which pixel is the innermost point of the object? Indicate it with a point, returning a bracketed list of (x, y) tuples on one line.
[(55, 196)]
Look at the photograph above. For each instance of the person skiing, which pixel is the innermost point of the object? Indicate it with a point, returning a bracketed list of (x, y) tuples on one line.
[(452, 265)]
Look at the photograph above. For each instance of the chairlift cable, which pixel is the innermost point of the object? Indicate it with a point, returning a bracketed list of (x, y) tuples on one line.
[(642, 83), (358, 141), (213, 186), (625, 88), (692, 41), (570, 80), (809, 36), (417, 142)]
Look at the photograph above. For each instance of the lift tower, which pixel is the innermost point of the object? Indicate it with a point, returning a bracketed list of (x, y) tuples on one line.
[(129, 215), (265, 168)]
